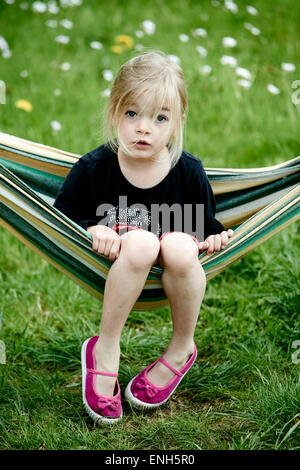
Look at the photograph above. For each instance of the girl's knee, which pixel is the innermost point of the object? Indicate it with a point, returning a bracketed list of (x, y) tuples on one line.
[(141, 247), (178, 251)]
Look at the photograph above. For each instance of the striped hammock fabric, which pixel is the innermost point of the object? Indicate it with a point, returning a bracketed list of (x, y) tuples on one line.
[(256, 203)]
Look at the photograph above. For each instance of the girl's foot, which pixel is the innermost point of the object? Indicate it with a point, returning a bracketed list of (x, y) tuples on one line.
[(107, 360), (160, 374)]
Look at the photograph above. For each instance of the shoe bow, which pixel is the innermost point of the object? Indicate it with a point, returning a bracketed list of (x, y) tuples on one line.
[(106, 402), (151, 391)]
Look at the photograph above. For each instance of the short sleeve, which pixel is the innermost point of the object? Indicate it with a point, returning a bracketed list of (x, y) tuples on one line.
[(203, 194), (74, 198)]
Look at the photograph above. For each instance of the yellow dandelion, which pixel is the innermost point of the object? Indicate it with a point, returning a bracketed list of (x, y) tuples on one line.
[(25, 105), (126, 40), (117, 49)]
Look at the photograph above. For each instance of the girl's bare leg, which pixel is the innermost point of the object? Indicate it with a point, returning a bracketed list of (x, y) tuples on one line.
[(124, 283), (184, 283)]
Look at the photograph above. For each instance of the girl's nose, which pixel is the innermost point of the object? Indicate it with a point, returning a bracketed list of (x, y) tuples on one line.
[(143, 126)]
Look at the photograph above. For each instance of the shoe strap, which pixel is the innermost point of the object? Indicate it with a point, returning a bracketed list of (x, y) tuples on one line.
[(94, 371), (170, 367)]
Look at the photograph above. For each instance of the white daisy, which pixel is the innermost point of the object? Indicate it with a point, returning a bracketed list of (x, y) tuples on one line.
[(56, 126), (199, 33), (229, 42), (6, 53), (10, 2), (174, 58), (183, 37), (288, 67), (244, 83), (228, 60), (149, 27), (273, 89), (51, 23), (57, 92), (39, 7), (255, 31), (139, 34), (108, 75), (215, 3), (205, 69), (139, 47), (24, 5), (65, 66), (106, 93), (23, 73), (53, 8), (96, 45), (231, 6), (3, 43), (202, 51), (251, 10), (244, 73), (66, 24), (62, 39)]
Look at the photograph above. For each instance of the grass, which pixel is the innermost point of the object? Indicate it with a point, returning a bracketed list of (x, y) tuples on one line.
[(244, 390)]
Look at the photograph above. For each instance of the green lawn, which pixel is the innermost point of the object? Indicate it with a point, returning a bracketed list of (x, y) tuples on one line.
[(244, 391)]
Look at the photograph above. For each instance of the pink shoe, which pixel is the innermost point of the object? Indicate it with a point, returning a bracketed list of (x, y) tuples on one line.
[(100, 408), (142, 393)]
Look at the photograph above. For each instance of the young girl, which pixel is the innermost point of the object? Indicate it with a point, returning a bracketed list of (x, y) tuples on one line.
[(144, 163)]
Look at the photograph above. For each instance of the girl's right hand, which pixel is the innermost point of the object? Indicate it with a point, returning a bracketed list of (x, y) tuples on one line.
[(105, 241)]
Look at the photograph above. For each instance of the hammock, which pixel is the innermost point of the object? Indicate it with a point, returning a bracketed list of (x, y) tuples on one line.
[(256, 203)]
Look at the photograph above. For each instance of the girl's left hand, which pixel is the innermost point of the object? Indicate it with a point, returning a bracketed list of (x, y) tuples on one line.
[(215, 243)]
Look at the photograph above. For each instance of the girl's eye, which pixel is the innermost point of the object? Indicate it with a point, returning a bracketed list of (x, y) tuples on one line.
[(131, 113), (161, 118)]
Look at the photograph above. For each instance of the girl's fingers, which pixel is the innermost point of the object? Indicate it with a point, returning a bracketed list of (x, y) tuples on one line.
[(224, 239), (217, 242), (203, 246), (211, 244), (230, 232)]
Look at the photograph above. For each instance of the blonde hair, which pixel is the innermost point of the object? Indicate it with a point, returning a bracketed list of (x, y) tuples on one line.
[(158, 80)]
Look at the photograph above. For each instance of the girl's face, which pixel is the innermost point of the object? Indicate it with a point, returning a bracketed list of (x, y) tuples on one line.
[(145, 137)]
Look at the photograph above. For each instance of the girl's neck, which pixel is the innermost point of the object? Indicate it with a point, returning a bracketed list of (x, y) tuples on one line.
[(138, 164)]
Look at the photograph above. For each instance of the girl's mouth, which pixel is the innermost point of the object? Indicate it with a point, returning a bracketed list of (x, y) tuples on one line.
[(141, 144)]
